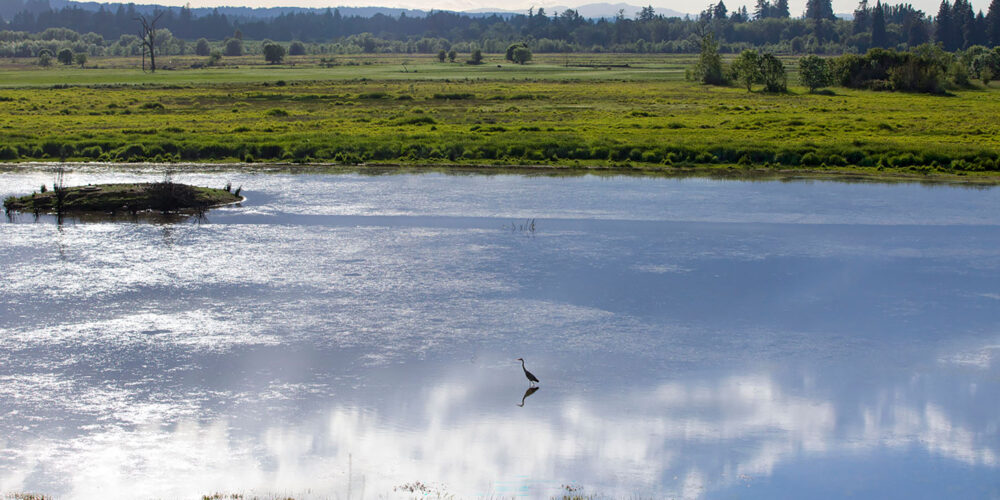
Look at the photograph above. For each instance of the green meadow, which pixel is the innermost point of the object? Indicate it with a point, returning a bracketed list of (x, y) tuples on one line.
[(604, 111)]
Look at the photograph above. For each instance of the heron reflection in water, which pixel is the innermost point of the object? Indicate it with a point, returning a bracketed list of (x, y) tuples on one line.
[(531, 390)]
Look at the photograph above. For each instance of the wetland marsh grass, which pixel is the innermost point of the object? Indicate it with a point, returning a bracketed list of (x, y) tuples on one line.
[(634, 119)]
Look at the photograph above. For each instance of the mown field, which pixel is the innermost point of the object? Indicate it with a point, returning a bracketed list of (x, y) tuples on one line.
[(553, 112)]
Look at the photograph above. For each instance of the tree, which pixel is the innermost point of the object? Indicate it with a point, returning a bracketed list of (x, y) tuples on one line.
[(65, 56), (214, 58), (452, 55), (274, 53), (944, 27), (879, 36), (762, 10), (477, 57), (45, 58), (746, 68), (234, 47), (814, 72), (862, 18), (647, 14), (720, 11), (521, 55), (773, 74), (708, 70), (297, 48), (819, 10), (147, 35), (511, 48), (993, 23), (442, 55), (80, 58), (780, 9), (202, 48)]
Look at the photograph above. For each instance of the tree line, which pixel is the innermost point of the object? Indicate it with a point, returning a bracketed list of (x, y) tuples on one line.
[(770, 27)]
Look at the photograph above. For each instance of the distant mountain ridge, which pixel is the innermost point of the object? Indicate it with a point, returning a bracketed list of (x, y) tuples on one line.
[(592, 10)]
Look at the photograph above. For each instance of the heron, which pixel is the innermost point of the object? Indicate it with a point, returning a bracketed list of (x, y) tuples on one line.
[(531, 378)]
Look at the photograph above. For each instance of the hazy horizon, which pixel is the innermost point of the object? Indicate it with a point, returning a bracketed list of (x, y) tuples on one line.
[(797, 7)]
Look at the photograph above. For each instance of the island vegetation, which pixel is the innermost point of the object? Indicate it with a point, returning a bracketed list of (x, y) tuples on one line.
[(165, 196)]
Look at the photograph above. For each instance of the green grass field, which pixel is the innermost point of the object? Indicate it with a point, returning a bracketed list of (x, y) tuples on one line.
[(553, 112)]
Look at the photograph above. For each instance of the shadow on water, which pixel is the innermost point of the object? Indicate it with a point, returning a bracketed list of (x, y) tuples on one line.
[(531, 390)]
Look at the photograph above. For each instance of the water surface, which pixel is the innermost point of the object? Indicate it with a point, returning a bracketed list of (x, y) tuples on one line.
[(347, 336)]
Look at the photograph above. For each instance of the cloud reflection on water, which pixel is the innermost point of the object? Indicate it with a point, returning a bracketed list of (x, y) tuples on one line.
[(680, 439)]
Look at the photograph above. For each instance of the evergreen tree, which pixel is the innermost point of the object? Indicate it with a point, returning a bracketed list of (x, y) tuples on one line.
[(780, 10), (862, 18), (944, 27), (964, 24), (879, 37), (818, 10), (720, 11), (993, 23), (763, 9)]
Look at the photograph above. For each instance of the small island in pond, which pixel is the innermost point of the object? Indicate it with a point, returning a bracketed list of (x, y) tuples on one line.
[(117, 198)]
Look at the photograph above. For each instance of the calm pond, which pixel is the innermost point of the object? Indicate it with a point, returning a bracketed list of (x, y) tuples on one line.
[(350, 336)]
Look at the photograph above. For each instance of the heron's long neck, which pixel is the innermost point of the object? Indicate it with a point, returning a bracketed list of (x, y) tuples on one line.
[(522, 366)]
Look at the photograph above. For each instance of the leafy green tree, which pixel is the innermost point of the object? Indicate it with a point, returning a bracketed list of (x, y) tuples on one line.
[(202, 48), (773, 74), (80, 58), (814, 72), (511, 48), (452, 55), (521, 55), (477, 57), (234, 47), (442, 55), (708, 70), (214, 58), (66, 56), (297, 48), (746, 68), (274, 53), (45, 58)]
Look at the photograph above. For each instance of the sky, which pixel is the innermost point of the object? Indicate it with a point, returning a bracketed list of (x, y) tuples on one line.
[(797, 7)]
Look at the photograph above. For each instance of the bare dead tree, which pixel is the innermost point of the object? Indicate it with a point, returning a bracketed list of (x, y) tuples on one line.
[(147, 33)]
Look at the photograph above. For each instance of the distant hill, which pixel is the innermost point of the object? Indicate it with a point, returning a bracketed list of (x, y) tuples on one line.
[(593, 11), (11, 7)]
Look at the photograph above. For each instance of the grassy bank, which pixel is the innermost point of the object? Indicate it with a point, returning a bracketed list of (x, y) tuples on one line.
[(633, 118)]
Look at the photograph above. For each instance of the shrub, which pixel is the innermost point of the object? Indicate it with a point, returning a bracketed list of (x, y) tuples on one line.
[(773, 74), (746, 68), (274, 53), (234, 47), (66, 56), (708, 70), (814, 72), (296, 49), (201, 47)]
